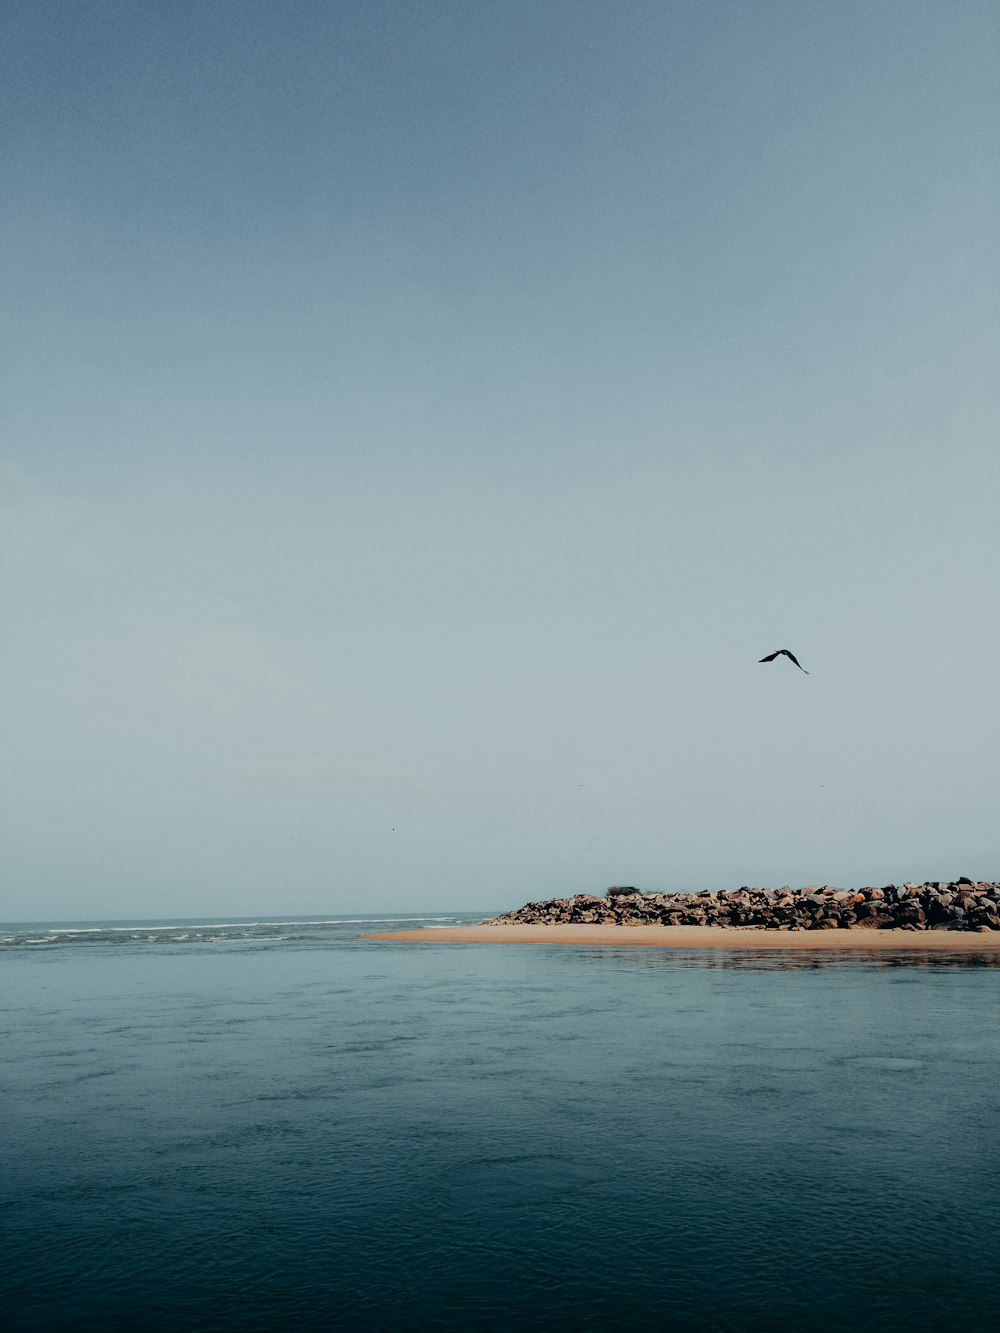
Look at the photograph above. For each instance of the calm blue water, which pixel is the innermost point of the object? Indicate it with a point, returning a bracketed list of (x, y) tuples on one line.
[(240, 1126)]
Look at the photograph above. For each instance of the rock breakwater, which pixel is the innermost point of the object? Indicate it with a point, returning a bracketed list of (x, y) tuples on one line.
[(962, 904)]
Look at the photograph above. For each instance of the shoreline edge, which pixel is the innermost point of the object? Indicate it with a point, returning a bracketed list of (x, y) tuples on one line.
[(703, 937)]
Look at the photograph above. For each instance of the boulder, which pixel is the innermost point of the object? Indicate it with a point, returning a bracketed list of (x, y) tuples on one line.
[(957, 905)]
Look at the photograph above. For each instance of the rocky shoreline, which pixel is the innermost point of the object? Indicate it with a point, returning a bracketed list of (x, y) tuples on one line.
[(962, 904)]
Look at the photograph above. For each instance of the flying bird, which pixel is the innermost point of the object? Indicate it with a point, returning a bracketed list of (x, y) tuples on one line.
[(784, 651)]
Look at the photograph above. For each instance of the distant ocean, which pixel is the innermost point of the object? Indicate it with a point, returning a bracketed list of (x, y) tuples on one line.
[(273, 1125)]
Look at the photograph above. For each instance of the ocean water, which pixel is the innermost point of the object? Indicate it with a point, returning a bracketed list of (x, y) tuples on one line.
[(274, 1125)]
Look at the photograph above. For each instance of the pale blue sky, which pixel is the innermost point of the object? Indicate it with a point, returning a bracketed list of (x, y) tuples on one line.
[(418, 418)]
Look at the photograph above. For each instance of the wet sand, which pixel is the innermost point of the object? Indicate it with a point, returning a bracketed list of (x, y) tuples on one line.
[(703, 937)]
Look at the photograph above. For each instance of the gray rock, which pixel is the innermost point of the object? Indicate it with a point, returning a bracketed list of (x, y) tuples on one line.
[(959, 905)]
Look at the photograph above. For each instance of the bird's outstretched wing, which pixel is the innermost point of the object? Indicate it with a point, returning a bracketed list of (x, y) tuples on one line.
[(779, 652)]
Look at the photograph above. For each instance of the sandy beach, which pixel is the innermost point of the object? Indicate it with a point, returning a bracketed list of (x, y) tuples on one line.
[(704, 937)]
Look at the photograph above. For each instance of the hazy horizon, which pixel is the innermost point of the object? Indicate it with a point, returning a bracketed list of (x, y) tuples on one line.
[(420, 419)]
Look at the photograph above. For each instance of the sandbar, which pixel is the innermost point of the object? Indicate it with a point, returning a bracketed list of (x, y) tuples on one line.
[(703, 937)]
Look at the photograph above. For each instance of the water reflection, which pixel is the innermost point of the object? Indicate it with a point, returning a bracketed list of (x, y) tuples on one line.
[(793, 960)]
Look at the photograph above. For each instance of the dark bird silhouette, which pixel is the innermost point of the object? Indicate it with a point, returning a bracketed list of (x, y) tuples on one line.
[(784, 651)]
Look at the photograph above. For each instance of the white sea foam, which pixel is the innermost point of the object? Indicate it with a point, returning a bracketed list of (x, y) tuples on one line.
[(142, 927), (216, 932)]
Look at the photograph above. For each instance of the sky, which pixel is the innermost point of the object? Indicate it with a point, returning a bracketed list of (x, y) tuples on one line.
[(419, 418)]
